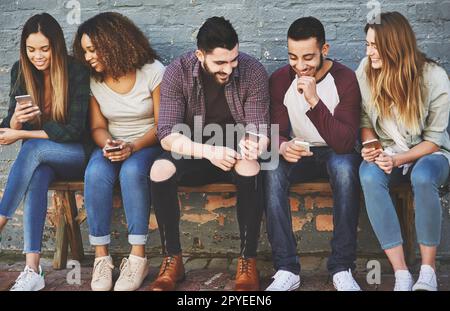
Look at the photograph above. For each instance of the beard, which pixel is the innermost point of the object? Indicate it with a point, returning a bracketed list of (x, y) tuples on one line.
[(320, 64), (214, 75), (317, 69)]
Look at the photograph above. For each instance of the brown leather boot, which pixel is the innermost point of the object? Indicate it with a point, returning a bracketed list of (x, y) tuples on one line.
[(170, 273), (247, 278)]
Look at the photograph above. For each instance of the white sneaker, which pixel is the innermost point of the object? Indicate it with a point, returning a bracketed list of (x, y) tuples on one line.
[(284, 281), (403, 281), (29, 280), (133, 271), (102, 274), (344, 282), (427, 280)]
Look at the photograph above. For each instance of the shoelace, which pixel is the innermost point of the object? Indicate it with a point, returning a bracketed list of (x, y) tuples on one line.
[(127, 271), (402, 282), (280, 281), (426, 277), (100, 268), (346, 278), (167, 263), (23, 278), (244, 266)]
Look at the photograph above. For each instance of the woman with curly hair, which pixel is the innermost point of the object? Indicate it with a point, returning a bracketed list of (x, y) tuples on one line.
[(405, 110), (125, 79), (53, 127)]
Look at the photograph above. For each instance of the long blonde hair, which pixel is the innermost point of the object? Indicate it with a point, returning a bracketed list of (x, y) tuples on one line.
[(399, 83), (32, 78)]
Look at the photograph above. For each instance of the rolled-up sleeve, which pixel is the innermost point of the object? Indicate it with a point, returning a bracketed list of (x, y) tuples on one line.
[(257, 105), (365, 120), (363, 86)]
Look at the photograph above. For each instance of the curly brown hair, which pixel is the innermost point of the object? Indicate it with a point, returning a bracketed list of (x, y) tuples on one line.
[(120, 45)]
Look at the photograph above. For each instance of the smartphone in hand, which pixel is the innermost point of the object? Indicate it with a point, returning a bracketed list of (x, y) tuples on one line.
[(303, 144), (24, 99), (113, 149)]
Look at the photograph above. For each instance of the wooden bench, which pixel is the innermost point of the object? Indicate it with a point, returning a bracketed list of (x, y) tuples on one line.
[(68, 219)]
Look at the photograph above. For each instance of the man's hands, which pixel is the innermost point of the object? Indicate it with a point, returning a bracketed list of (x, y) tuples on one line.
[(307, 85), (252, 146), (126, 149), (223, 157), (292, 152)]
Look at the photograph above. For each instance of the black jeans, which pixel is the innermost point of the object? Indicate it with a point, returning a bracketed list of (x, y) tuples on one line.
[(196, 172), (342, 171)]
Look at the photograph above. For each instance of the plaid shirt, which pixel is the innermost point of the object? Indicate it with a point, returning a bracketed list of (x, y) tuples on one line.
[(76, 129), (182, 94)]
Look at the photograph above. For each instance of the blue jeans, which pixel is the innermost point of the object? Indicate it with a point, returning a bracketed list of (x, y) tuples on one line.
[(38, 163), (342, 171), (133, 174), (426, 176)]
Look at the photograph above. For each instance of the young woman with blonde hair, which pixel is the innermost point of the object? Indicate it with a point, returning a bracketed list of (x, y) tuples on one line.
[(53, 127), (405, 106)]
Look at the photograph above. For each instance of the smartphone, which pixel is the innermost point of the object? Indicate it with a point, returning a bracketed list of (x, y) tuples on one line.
[(113, 149), (303, 144), (24, 99), (373, 143)]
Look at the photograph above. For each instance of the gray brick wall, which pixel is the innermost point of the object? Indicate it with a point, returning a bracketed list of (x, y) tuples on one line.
[(171, 26)]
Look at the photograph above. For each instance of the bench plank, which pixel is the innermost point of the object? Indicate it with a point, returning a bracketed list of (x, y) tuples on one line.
[(68, 230), (321, 186)]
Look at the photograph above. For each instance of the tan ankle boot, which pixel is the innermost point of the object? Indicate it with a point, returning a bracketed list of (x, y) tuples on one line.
[(170, 273), (247, 278)]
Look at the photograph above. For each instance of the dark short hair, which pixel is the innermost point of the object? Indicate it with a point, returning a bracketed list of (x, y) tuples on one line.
[(216, 32), (305, 28)]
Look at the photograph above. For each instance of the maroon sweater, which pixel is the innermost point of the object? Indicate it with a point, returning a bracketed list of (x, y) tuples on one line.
[(340, 131)]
